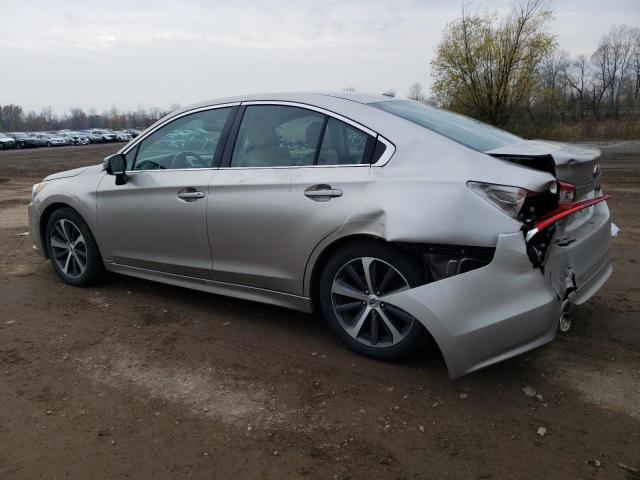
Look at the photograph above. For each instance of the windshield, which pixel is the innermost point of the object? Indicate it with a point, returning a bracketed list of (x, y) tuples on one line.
[(467, 131)]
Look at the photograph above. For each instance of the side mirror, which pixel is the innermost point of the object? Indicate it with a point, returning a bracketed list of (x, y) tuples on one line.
[(116, 165)]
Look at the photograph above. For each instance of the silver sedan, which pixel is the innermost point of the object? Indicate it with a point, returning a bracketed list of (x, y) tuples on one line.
[(401, 224)]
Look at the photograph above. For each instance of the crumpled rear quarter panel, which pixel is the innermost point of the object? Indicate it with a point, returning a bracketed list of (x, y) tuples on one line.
[(489, 314)]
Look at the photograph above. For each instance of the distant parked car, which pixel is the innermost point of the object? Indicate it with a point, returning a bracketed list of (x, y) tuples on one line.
[(134, 132), (104, 134), (79, 138), (6, 142), (54, 140), (23, 140), (123, 136), (92, 136), (40, 138)]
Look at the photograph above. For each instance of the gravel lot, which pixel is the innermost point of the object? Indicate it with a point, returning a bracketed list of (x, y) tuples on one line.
[(134, 379)]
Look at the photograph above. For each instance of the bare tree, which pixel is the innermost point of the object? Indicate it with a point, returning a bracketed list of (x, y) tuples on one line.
[(576, 75), (487, 67), (550, 95), (635, 67), (417, 93), (11, 117), (613, 59)]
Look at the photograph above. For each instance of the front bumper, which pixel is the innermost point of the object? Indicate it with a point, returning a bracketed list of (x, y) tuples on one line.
[(34, 230), (509, 307)]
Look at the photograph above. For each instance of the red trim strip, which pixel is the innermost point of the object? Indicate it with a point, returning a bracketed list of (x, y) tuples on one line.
[(563, 211)]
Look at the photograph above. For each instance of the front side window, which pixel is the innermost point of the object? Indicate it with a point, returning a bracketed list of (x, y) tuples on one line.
[(187, 142), (277, 136)]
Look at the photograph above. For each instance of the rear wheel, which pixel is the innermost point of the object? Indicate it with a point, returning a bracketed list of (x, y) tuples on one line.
[(72, 249), (354, 288)]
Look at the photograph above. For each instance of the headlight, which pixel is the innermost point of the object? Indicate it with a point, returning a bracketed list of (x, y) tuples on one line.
[(36, 189), (507, 198)]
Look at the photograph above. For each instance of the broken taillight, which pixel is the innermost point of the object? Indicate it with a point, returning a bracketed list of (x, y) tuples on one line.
[(507, 198), (566, 193)]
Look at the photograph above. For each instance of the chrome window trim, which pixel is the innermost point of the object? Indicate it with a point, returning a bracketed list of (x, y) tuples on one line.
[(358, 165), (133, 172), (384, 159), (306, 106), (128, 147)]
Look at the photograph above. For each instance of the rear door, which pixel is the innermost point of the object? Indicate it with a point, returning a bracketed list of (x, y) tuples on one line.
[(157, 219), (290, 176)]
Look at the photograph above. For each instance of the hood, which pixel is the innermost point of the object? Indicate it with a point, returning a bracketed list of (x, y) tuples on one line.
[(91, 170), (571, 163), (65, 174)]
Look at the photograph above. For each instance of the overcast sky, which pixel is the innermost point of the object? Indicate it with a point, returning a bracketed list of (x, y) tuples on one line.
[(66, 53)]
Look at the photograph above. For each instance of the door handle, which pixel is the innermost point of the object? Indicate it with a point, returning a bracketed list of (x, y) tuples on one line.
[(322, 193), (190, 194)]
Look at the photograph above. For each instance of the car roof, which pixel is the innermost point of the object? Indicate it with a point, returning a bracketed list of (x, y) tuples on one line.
[(313, 98), (353, 105)]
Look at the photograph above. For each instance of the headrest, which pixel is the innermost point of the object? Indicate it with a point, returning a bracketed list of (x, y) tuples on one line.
[(312, 133)]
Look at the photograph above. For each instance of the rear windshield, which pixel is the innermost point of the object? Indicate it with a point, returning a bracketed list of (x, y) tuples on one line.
[(467, 131)]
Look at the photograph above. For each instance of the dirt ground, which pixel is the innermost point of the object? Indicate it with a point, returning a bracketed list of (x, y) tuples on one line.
[(134, 379)]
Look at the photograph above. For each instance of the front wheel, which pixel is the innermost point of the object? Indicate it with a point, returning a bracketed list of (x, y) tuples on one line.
[(72, 249), (354, 288)]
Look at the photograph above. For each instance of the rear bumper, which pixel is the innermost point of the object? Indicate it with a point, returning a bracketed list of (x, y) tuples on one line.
[(508, 307)]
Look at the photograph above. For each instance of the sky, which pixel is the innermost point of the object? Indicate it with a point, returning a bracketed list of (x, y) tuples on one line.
[(95, 54)]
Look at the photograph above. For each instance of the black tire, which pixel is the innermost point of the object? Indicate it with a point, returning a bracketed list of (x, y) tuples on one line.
[(94, 271), (416, 335)]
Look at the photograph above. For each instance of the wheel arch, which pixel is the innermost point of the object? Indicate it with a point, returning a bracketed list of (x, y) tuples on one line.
[(46, 215), (325, 254), (431, 343), (44, 221)]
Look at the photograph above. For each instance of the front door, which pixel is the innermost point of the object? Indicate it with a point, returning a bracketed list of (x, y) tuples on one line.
[(157, 219)]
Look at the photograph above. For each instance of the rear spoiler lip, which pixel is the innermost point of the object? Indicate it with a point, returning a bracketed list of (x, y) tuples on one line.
[(561, 212)]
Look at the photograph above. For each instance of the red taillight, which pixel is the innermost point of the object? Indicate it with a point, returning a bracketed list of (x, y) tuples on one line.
[(566, 193)]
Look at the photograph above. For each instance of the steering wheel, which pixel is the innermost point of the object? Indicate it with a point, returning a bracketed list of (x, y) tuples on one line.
[(182, 160)]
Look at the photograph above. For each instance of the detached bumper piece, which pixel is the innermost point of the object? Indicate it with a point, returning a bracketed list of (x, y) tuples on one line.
[(539, 236)]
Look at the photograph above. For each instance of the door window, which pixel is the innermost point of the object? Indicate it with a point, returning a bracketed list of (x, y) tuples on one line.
[(277, 136), (187, 142), (344, 144)]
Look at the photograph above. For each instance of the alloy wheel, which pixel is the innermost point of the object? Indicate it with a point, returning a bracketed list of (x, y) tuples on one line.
[(359, 294), (68, 248)]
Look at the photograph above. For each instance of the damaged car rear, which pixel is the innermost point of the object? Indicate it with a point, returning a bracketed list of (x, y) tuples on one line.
[(398, 222)]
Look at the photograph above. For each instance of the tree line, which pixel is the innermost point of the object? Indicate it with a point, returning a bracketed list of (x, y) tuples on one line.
[(14, 118), (511, 73)]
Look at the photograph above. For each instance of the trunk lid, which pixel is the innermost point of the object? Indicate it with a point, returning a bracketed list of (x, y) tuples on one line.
[(573, 163)]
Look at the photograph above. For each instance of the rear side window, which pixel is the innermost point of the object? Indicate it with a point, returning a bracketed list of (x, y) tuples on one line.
[(287, 136), (277, 136), (343, 144), (467, 131)]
